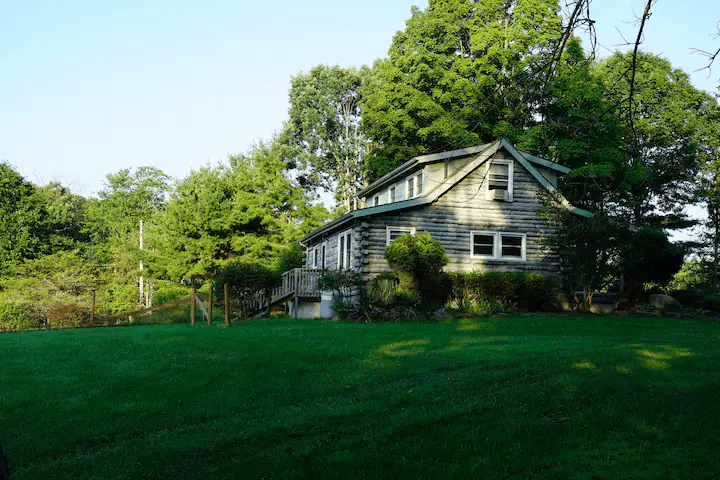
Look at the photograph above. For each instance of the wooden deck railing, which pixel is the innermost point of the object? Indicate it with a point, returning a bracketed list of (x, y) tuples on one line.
[(298, 282)]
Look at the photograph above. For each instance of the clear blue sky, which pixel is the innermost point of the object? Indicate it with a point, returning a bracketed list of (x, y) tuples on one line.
[(90, 87)]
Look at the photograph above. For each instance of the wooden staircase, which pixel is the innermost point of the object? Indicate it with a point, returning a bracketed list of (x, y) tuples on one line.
[(297, 284)]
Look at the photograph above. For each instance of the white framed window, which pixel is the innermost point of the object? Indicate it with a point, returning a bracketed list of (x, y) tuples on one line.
[(391, 194), (498, 245), (344, 250), (322, 256), (500, 180), (376, 200), (310, 257), (415, 185), (395, 232)]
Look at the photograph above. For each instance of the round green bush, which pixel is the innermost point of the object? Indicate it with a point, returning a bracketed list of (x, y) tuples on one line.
[(417, 260)]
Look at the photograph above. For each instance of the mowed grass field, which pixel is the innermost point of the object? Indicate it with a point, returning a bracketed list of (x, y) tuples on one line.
[(496, 398)]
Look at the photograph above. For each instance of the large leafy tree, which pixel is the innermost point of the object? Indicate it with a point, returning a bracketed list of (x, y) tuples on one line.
[(35, 221), (248, 209), (669, 131), (324, 130), (709, 192), (461, 73)]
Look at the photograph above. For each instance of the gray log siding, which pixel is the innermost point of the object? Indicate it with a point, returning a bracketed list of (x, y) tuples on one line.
[(331, 249), (464, 209)]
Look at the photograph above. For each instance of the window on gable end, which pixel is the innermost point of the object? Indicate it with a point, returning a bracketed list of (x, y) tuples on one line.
[(500, 181), (483, 244), (498, 245)]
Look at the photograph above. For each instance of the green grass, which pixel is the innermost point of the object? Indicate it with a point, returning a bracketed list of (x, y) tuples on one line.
[(511, 397)]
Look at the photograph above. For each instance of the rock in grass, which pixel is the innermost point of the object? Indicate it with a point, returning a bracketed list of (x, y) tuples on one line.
[(665, 303)]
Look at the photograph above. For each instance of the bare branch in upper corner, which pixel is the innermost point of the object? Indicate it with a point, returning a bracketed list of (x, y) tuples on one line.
[(710, 56)]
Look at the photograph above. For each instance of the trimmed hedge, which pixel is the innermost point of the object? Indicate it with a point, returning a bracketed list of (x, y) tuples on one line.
[(525, 291)]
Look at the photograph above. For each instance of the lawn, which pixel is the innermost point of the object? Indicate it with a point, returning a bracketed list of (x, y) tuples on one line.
[(506, 397)]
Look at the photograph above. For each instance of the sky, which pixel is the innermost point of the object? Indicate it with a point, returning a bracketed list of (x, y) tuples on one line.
[(90, 87)]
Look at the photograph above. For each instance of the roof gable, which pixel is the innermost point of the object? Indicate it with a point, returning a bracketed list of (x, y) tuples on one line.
[(477, 156)]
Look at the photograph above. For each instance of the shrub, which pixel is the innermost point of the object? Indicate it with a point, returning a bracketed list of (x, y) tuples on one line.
[(170, 293), (68, 316), (344, 309), (417, 260), (339, 280), (499, 291), (15, 317), (248, 281)]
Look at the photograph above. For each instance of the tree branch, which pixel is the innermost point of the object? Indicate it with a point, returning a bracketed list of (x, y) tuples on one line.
[(645, 16), (711, 56)]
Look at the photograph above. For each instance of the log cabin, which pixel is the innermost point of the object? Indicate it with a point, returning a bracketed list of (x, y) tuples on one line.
[(481, 203)]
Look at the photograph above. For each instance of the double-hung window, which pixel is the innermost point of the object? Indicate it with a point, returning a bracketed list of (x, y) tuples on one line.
[(498, 245), (391, 194), (395, 232), (500, 180), (344, 250), (415, 185)]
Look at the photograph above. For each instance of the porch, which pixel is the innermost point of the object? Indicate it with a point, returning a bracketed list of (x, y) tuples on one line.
[(300, 291)]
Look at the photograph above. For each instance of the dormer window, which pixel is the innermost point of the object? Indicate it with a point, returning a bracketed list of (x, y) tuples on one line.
[(500, 181), (415, 185)]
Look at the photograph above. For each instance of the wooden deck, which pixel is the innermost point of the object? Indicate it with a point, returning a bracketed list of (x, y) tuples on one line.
[(298, 282)]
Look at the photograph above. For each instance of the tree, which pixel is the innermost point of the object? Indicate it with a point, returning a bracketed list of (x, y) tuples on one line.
[(709, 192), (127, 198), (324, 130), (35, 221), (461, 73), (68, 214), (247, 210), (669, 132)]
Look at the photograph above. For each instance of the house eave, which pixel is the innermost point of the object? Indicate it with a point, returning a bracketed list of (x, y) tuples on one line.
[(338, 223)]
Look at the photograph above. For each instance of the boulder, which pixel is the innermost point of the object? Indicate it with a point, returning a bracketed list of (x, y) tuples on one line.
[(664, 303)]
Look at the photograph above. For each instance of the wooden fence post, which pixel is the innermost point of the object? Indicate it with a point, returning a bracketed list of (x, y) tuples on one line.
[(193, 307), (227, 304), (92, 309), (269, 300), (210, 305)]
